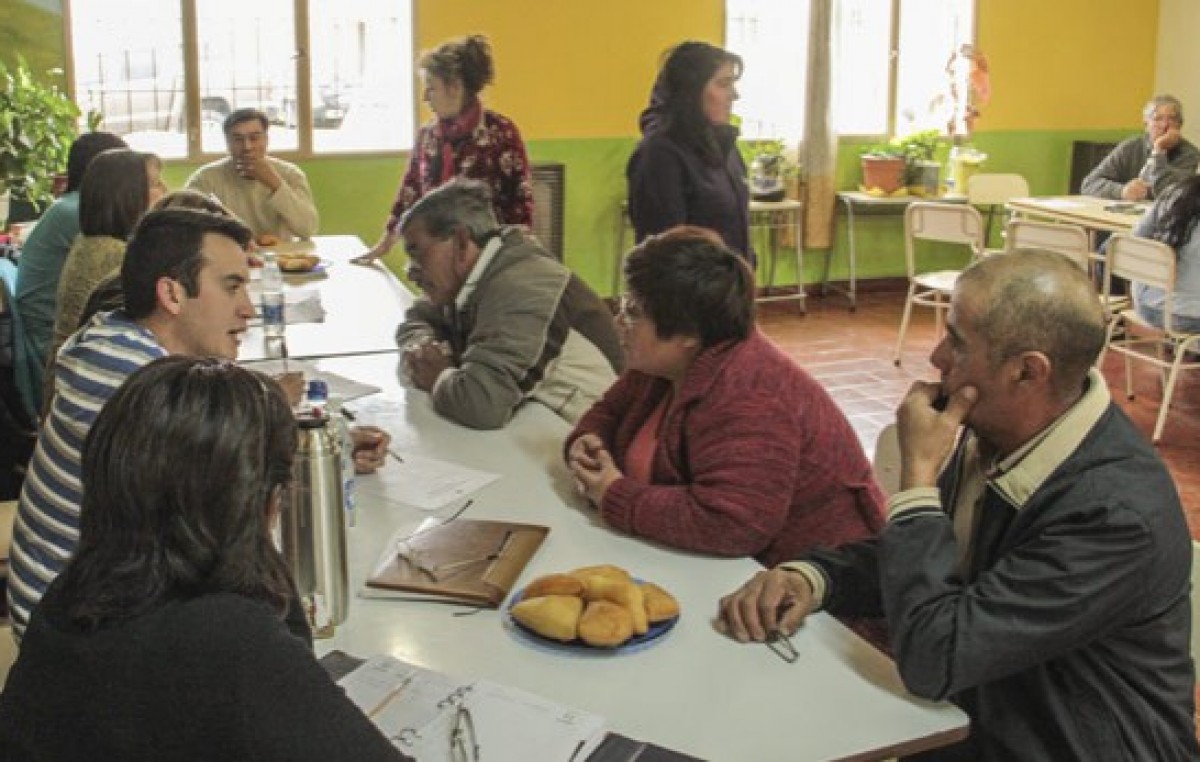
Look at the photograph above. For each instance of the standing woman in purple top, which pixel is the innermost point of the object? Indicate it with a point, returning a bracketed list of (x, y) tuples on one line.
[(687, 169)]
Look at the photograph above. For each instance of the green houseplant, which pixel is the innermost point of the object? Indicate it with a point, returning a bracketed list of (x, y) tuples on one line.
[(38, 122), (770, 166)]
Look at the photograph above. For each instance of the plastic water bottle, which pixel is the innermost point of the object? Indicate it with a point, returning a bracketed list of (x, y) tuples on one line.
[(272, 297), (342, 428)]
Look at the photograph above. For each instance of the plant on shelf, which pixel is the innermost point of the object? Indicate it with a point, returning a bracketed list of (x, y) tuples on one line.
[(920, 152), (771, 168), (884, 167), (38, 122)]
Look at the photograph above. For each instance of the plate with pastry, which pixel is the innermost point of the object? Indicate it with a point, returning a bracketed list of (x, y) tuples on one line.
[(300, 262), (594, 609)]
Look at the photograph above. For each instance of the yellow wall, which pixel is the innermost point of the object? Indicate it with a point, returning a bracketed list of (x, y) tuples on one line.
[(569, 69), (1068, 64)]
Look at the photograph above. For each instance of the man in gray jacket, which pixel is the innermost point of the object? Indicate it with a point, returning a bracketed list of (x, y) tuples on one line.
[(1144, 166), (501, 321)]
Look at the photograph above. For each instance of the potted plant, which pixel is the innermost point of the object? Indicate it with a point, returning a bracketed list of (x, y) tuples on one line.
[(771, 169), (884, 167), (923, 171), (38, 122)]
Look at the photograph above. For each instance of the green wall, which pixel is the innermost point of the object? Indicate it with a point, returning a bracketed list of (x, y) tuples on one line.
[(354, 195)]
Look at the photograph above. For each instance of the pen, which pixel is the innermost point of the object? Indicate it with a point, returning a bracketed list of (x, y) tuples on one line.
[(396, 455), (392, 694)]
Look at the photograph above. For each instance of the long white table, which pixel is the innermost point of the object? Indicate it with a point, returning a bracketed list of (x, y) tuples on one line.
[(1089, 211), (363, 305), (696, 690)]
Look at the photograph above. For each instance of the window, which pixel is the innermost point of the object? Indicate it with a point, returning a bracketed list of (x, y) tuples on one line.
[(331, 75), (892, 64)]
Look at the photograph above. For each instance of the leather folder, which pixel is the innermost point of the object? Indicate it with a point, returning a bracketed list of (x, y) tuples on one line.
[(472, 561)]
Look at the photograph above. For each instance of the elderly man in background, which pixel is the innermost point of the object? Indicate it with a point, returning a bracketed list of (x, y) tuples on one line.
[(501, 321), (1144, 166), (270, 195), (1035, 569)]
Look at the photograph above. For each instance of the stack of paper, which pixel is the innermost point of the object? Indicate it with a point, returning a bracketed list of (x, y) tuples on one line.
[(420, 709)]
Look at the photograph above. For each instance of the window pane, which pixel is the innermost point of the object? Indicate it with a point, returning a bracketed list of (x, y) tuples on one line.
[(930, 32), (771, 36), (246, 58), (129, 66), (362, 75), (860, 88)]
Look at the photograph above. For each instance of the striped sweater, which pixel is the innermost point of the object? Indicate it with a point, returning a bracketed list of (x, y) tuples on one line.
[(90, 367)]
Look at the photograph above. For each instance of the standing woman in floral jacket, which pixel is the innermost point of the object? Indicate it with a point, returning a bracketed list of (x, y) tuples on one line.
[(463, 139)]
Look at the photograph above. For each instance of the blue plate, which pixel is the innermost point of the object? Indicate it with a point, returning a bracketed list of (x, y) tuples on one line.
[(578, 647)]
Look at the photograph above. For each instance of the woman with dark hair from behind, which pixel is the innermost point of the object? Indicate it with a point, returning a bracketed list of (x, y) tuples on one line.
[(119, 186), (1172, 220), (174, 633), (464, 139), (43, 256), (713, 440), (687, 169)]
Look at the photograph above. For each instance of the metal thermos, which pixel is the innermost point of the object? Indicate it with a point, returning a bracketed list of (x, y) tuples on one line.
[(313, 531)]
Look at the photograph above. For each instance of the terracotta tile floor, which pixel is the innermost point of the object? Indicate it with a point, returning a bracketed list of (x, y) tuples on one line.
[(851, 354)]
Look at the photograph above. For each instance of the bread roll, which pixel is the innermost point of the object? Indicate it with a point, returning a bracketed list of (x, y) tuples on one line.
[(603, 570), (660, 605), (619, 591), (267, 239), (605, 624), (551, 616), (554, 584)]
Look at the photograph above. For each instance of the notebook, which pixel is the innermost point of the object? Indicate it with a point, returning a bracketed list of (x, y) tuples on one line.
[(421, 711), (472, 561)]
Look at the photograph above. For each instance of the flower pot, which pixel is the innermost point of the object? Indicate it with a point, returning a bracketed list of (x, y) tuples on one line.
[(885, 173)]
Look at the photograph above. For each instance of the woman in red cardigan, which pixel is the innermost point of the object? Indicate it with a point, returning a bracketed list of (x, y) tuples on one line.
[(463, 139), (713, 440)]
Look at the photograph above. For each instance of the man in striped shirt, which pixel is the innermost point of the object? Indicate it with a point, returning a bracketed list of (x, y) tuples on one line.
[(184, 276)]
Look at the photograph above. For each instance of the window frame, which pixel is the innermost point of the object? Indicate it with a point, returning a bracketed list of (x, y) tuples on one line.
[(893, 78), (303, 68)]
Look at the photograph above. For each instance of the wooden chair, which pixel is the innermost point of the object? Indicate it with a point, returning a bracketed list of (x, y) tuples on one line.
[(1151, 263), (947, 223)]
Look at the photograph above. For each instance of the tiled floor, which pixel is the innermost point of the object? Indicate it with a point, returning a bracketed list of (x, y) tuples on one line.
[(851, 353)]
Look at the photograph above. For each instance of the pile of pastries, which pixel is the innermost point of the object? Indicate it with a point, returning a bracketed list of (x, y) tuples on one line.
[(296, 262), (600, 605)]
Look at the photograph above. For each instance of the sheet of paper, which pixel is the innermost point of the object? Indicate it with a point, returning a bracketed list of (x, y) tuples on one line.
[(424, 483), (346, 388), (418, 709)]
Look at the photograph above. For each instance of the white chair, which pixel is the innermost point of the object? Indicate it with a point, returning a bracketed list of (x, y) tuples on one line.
[(886, 463), (946, 223), (993, 191), (1069, 240), (1150, 262)]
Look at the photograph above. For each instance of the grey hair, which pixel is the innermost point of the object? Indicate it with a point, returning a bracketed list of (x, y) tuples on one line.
[(1039, 301), (460, 203), (1162, 100)]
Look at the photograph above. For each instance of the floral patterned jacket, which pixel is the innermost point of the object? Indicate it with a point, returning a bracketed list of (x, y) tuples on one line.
[(492, 152)]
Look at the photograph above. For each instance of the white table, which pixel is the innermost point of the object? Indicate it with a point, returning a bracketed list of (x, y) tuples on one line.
[(1088, 211), (363, 303), (696, 690)]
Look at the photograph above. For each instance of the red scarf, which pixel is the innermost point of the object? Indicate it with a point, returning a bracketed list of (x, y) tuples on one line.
[(452, 132)]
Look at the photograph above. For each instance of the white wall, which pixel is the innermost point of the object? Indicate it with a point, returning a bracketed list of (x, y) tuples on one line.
[(1177, 69)]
